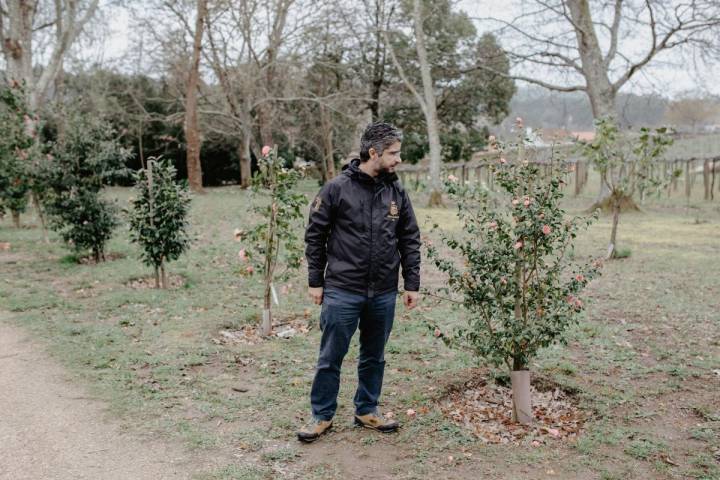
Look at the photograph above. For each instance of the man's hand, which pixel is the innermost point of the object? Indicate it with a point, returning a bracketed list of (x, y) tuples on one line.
[(316, 294), (410, 299)]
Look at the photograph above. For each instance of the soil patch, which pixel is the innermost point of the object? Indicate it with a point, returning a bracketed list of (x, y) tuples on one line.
[(173, 280), (250, 334), (90, 260), (485, 409)]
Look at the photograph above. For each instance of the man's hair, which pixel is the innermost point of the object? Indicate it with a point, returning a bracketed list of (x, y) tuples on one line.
[(378, 135)]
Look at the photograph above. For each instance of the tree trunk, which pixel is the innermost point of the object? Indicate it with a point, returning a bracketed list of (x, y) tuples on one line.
[(712, 181), (612, 248), (192, 134), (245, 160), (16, 218), (430, 110), (578, 178), (328, 150), (706, 179), (41, 215), (17, 43), (688, 184), (163, 276), (157, 276), (270, 247)]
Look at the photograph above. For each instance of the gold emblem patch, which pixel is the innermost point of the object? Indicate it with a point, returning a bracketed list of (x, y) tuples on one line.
[(394, 213), (318, 202)]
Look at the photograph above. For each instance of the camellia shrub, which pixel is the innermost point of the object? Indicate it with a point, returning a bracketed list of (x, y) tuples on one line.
[(16, 150), (512, 270), (158, 216), (274, 238), (86, 158)]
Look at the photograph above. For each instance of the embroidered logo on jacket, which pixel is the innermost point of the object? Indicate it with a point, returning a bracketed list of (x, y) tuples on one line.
[(394, 213), (318, 202)]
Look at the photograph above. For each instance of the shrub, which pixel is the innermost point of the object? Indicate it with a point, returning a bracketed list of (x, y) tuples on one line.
[(277, 233), (158, 217), (83, 160), (16, 149), (514, 275)]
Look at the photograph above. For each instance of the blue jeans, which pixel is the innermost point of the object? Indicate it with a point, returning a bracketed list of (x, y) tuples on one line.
[(342, 313)]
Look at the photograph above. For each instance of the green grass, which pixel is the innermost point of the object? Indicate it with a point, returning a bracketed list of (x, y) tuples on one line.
[(641, 357)]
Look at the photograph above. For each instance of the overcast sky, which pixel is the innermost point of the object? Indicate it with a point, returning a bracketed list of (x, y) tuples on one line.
[(669, 76)]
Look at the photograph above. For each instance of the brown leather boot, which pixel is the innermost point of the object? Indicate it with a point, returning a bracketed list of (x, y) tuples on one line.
[(376, 422), (312, 431)]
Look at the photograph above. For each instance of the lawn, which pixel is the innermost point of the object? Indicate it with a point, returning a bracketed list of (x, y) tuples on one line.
[(643, 364)]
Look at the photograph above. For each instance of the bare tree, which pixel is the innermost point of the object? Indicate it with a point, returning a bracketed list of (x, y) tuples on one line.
[(22, 21), (598, 47), (255, 48), (192, 129), (692, 112)]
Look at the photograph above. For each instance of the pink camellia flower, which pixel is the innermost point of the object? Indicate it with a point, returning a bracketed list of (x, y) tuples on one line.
[(242, 254), (579, 278), (546, 229), (265, 151), (437, 332), (503, 160), (518, 245), (541, 216), (515, 201), (570, 299), (578, 303), (238, 234), (410, 413), (452, 178), (250, 269), (503, 280), (492, 225), (526, 202), (491, 139)]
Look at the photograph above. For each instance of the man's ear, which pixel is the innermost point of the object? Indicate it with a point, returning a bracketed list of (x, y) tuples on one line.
[(372, 153)]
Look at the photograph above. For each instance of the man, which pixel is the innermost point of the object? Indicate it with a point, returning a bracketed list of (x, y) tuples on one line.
[(361, 229)]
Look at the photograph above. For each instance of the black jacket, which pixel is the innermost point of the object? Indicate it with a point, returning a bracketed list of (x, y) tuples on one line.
[(362, 228)]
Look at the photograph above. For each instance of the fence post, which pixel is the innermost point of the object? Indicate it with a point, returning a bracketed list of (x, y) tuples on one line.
[(706, 178)]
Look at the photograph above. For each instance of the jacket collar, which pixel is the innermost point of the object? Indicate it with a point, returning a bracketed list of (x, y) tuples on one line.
[(352, 169)]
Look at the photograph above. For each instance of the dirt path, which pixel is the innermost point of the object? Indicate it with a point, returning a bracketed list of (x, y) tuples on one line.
[(51, 429)]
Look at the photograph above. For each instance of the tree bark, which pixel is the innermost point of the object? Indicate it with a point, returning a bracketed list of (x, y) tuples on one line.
[(270, 244), (16, 218), (163, 276), (192, 134), (430, 110), (17, 43), (612, 249), (328, 149), (245, 160)]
